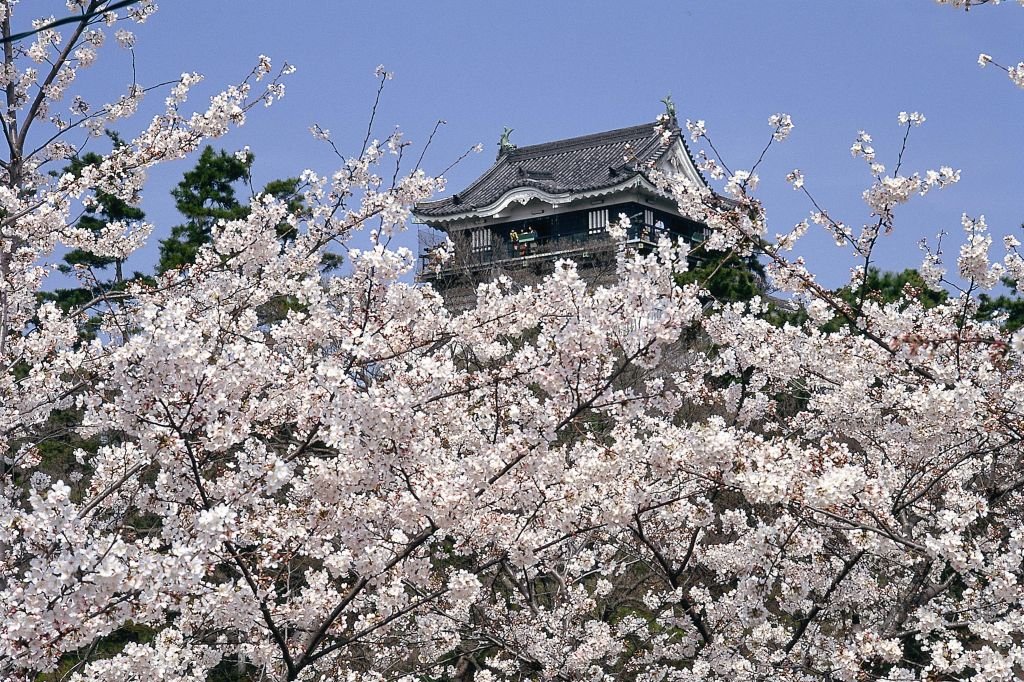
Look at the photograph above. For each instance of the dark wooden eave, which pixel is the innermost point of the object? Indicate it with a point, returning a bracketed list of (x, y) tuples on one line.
[(572, 166)]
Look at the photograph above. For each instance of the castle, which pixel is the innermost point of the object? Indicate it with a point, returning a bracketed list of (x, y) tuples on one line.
[(554, 200)]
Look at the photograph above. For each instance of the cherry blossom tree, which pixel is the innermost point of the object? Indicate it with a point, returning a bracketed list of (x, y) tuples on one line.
[(561, 482)]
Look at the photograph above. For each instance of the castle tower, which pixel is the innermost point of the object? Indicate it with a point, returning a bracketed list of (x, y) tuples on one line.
[(544, 202)]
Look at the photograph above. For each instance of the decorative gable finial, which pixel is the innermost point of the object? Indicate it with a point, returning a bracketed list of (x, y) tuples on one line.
[(504, 144), (670, 108)]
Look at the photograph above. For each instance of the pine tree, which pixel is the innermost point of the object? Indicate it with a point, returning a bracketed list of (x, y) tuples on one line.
[(206, 195), (106, 209)]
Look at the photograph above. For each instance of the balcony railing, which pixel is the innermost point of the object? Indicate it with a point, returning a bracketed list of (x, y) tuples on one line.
[(530, 250)]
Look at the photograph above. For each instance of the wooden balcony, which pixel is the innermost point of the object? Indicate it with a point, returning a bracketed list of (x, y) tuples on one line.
[(532, 252)]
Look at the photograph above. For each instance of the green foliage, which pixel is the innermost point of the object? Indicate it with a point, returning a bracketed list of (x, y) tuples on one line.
[(725, 276), (729, 278), (206, 195), (1009, 306), (68, 299), (57, 442), (105, 647), (106, 209), (886, 287), (286, 190), (890, 287)]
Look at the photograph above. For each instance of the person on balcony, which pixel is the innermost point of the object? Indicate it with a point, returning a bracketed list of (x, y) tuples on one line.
[(527, 238)]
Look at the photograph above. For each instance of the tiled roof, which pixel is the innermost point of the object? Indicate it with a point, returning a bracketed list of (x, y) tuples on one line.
[(578, 164)]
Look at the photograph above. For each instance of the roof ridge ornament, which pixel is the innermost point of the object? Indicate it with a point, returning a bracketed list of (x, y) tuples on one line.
[(670, 109), (505, 146)]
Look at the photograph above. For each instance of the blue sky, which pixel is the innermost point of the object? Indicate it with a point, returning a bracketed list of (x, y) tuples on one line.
[(553, 70)]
